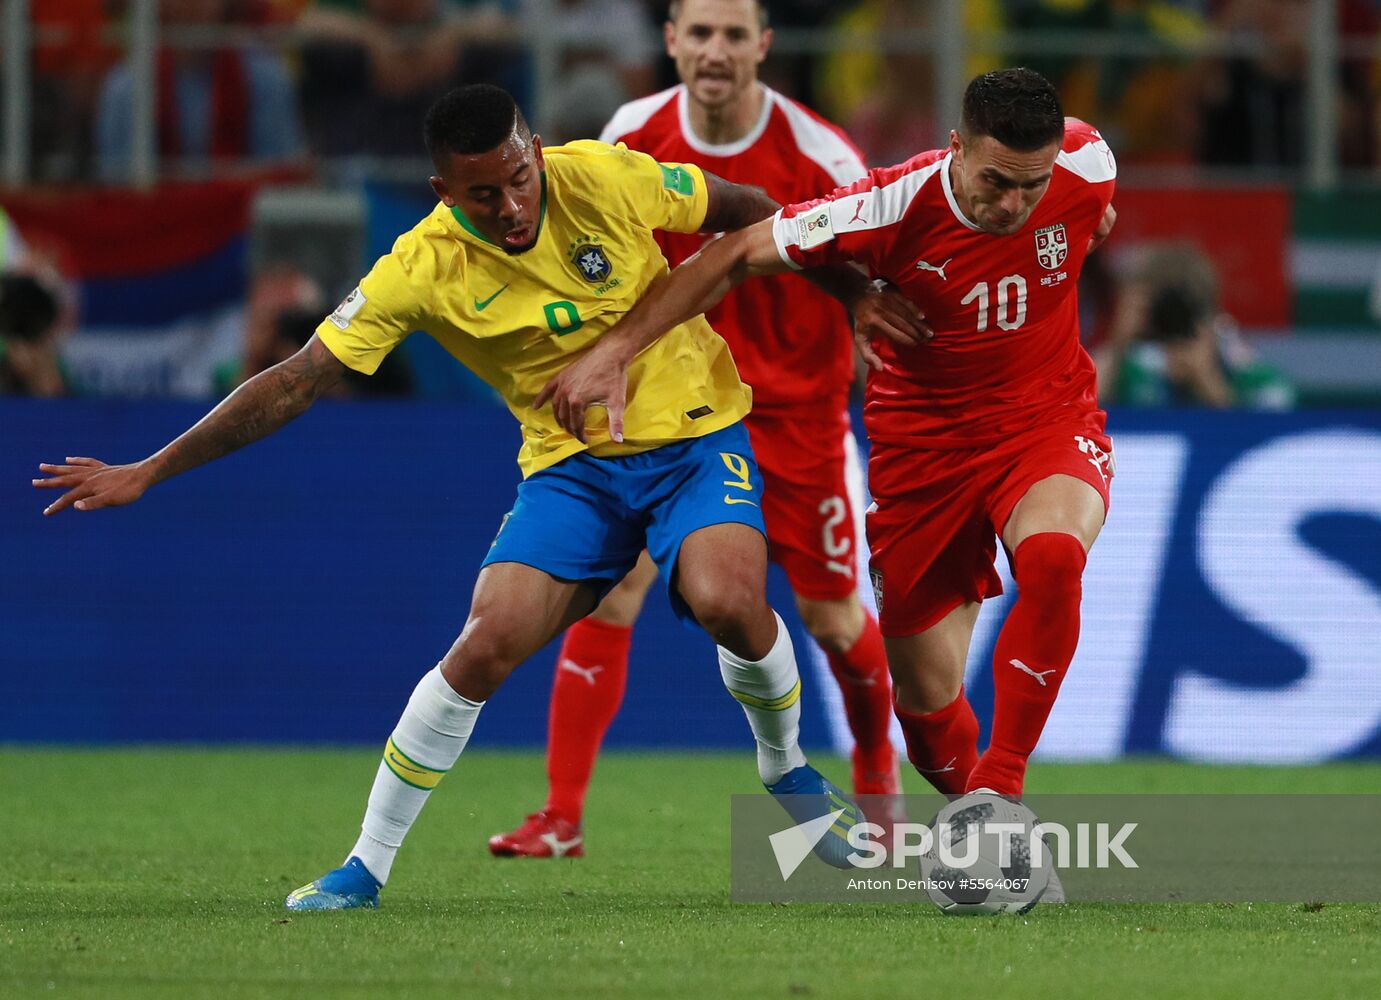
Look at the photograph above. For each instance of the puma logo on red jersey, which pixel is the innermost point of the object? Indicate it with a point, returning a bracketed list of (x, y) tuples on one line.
[(937, 268)]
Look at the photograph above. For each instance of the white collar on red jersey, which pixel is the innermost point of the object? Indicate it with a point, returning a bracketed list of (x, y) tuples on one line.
[(769, 98), (949, 193)]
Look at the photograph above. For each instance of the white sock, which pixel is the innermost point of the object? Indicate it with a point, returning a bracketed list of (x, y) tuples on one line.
[(770, 692), (425, 744)]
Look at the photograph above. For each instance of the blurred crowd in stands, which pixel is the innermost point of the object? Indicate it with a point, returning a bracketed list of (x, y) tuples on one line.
[(303, 84), (350, 77)]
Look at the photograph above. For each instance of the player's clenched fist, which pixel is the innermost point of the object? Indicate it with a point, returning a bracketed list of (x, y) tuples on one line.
[(91, 484)]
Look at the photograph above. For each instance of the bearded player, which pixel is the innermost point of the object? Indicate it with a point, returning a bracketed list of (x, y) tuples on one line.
[(790, 342), (989, 429)]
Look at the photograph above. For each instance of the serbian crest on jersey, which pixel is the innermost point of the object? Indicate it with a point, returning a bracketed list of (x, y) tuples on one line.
[(1052, 246), (591, 261)]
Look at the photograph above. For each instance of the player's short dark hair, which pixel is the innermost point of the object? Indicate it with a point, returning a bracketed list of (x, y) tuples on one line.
[(1017, 107), (27, 309), (472, 119), (674, 11)]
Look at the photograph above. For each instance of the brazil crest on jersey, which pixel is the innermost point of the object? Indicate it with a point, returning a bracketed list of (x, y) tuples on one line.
[(516, 320)]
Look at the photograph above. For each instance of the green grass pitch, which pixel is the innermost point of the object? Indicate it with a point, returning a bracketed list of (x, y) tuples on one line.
[(161, 873)]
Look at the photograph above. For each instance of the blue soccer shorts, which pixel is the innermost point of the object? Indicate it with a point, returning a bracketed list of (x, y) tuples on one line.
[(587, 518)]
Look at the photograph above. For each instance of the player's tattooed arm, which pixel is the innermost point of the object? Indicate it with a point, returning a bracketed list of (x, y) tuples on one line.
[(255, 410), (734, 206)]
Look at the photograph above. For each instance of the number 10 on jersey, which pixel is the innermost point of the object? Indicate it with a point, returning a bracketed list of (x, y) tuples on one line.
[(1011, 302)]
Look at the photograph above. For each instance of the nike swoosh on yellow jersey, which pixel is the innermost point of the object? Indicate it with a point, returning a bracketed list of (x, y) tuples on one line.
[(481, 306), (729, 499)]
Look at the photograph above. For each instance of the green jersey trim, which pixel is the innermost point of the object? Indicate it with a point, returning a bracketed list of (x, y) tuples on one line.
[(469, 228)]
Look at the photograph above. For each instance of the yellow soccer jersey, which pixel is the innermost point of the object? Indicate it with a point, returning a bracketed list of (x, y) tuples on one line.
[(517, 320)]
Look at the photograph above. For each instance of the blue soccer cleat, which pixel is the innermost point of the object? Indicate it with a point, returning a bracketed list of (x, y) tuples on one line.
[(806, 794), (346, 888)]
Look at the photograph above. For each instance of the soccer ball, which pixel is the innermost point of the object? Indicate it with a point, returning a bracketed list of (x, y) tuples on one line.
[(964, 871)]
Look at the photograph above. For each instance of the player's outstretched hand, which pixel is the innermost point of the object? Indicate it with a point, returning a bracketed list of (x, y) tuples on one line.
[(1105, 225), (886, 312), (597, 378), (91, 484)]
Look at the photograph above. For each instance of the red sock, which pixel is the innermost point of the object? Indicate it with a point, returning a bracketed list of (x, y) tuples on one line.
[(942, 745), (1032, 654), (591, 671), (867, 689)]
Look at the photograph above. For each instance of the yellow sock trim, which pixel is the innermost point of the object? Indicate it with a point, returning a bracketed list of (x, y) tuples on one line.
[(408, 771), (770, 704)]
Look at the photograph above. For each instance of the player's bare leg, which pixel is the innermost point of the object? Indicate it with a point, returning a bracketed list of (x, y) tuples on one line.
[(853, 647), (928, 687), (515, 611), (622, 605), (721, 574), (1048, 536), (835, 625), (1056, 503), (591, 673), (928, 668)]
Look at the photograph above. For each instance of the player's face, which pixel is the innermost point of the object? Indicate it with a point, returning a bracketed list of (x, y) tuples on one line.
[(997, 187), (717, 46), (500, 191)]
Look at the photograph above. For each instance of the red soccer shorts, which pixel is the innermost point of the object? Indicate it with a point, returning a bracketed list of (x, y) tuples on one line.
[(933, 543), (812, 491)]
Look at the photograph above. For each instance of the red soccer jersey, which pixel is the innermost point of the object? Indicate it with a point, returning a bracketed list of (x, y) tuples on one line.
[(1006, 354), (791, 342)]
